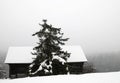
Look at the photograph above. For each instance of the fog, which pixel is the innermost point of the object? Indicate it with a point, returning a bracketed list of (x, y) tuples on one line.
[(92, 24)]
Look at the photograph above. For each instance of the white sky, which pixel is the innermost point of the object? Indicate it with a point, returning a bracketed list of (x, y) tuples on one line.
[(93, 24)]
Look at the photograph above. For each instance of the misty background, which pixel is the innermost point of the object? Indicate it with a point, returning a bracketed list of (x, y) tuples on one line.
[(92, 24)]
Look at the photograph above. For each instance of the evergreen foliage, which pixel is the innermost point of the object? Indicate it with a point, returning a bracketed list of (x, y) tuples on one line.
[(50, 58)]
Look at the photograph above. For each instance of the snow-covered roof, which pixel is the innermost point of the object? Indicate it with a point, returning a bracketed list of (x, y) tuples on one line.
[(23, 54), (77, 54), (19, 55)]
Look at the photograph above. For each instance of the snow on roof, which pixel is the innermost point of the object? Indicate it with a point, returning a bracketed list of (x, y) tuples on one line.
[(77, 54), (19, 55), (23, 54)]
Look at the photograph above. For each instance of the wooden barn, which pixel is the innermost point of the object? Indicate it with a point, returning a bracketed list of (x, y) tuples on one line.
[(19, 59)]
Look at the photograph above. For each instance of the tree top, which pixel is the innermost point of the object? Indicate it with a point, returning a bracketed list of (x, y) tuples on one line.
[(44, 20)]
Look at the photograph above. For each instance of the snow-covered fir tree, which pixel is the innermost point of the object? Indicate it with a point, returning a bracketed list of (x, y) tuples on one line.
[(50, 58)]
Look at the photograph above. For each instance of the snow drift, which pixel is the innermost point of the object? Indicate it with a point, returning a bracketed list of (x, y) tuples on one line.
[(112, 77)]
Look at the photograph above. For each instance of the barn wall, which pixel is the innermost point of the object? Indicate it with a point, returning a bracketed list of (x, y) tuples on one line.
[(75, 67), (18, 70), (21, 70)]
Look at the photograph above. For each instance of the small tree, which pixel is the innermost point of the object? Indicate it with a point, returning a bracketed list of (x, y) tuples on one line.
[(50, 58)]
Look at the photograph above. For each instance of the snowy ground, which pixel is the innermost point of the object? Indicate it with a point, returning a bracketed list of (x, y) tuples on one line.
[(113, 77)]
